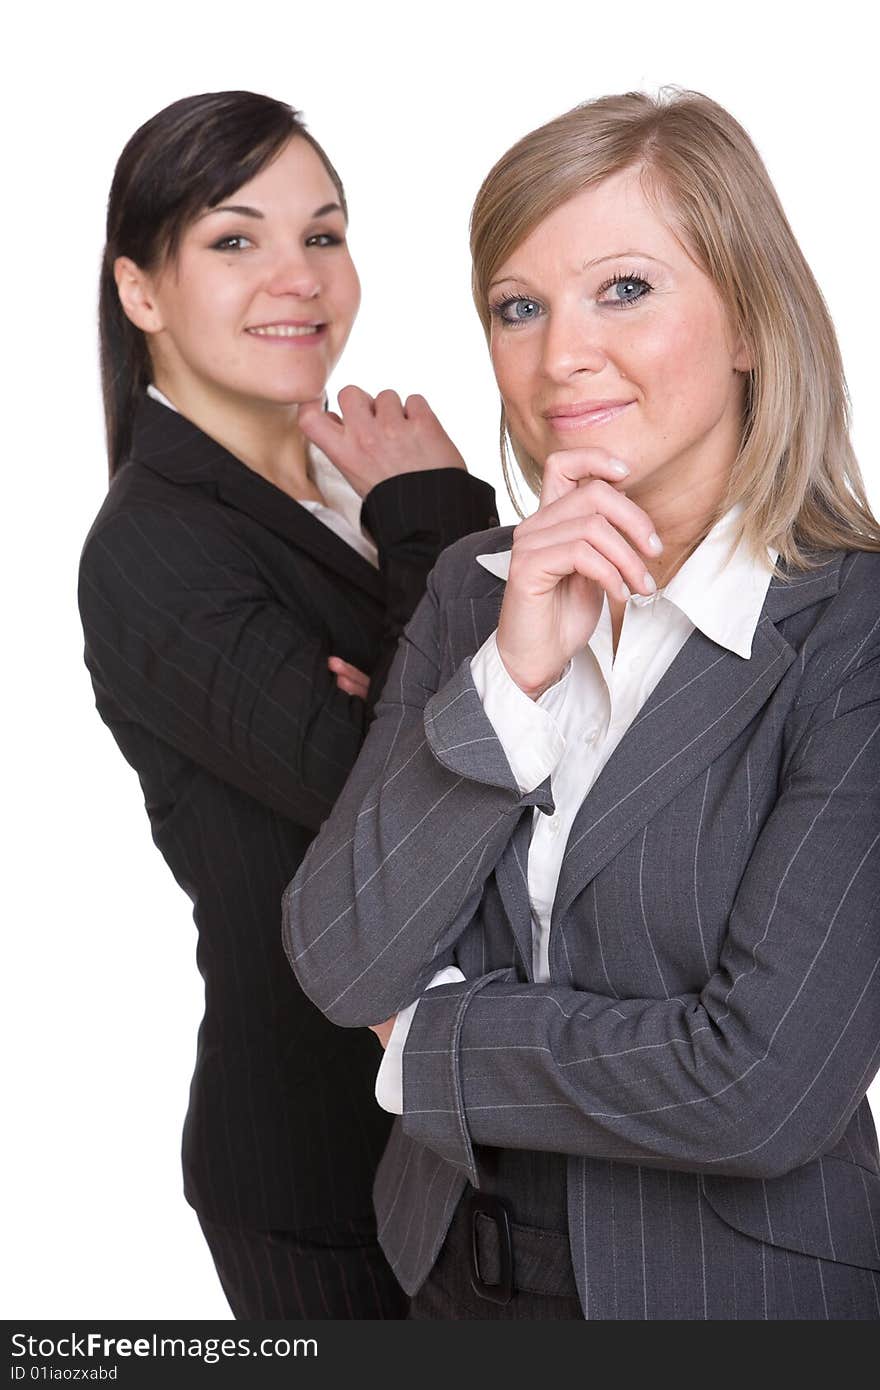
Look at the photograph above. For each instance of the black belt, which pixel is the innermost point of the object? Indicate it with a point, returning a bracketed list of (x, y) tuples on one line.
[(505, 1256)]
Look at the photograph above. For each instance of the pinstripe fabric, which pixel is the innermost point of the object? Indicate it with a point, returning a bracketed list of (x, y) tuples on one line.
[(339, 1272), (691, 1080), (210, 601), (675, 1260)]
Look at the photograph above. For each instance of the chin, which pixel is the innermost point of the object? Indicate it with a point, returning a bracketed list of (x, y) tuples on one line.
[(288, 394)]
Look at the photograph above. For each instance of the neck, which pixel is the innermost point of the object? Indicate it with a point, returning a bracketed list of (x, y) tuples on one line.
[(682, 519), (682, 516), (262, 435), (683, 501)]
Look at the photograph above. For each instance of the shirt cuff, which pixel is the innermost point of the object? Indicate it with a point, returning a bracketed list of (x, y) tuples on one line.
[(526, 729), (389, 1078)]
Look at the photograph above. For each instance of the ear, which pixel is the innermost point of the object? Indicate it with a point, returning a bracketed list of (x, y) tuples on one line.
[(742, 357), (137, 295)]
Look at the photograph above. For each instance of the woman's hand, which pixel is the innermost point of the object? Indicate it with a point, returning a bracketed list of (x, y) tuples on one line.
[(349, 678), (383, 1030), (576, 545), (376, 439)]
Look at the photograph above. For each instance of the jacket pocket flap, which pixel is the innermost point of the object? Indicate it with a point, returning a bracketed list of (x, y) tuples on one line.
[(829, 1208)]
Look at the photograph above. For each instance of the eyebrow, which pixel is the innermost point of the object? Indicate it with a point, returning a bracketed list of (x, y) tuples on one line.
[(619, 255), (236, 208), (239, 210), (588, 265)]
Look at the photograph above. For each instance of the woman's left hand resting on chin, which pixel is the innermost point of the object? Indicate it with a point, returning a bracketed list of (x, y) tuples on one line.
[(371, 440)]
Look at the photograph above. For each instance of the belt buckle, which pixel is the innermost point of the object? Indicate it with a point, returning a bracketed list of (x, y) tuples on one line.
[(484, 1204)]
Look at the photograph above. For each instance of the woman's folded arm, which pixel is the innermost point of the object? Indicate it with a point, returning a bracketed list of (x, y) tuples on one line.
[(757, 1073), (184, 636), (399, 868)]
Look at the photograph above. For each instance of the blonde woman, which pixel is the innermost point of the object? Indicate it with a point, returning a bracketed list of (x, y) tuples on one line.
[(604, 878)]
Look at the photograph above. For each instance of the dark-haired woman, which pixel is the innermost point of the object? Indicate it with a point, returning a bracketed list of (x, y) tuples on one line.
[(241, 597)]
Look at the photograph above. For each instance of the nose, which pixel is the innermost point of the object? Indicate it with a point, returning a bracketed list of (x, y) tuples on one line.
[(573, 343), (294, 274)]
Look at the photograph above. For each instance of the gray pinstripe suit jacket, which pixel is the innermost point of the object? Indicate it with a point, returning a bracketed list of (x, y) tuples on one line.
[(712, 1019)]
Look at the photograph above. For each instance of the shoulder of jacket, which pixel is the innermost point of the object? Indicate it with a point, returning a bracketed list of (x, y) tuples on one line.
[(844, 637), (855, 604), (143, 512), (860, 578), (852, 620)]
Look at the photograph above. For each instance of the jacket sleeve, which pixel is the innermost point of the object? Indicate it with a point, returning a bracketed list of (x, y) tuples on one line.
[(185, 636), (758, 1073), (412, 517), (399, 868)]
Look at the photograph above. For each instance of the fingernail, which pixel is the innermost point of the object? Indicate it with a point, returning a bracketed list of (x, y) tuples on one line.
[(655, 543), (648, 583), (625, 593), (619, 468)]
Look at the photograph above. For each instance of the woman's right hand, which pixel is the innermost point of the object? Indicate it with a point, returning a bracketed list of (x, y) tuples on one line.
[(585, 537), (372, 440), (349, 678)]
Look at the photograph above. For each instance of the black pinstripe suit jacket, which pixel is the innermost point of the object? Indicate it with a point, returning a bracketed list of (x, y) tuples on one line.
[(210, 601), (692, 1078)]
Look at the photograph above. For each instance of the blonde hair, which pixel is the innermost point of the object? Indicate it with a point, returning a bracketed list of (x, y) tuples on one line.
[(796, 473)]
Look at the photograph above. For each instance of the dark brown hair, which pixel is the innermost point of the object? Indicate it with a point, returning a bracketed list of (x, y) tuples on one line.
[(188, 157)]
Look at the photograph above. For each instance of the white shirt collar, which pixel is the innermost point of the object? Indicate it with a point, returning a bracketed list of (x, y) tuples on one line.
[(721, 596), (157, 396)]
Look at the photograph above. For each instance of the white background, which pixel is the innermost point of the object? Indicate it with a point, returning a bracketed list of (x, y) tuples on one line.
[(413, 104)]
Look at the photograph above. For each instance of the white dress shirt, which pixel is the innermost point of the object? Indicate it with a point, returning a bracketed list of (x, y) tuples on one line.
[(570, 732), (341, 509)]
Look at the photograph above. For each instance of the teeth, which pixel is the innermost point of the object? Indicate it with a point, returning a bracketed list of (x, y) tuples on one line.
[(286, 330)]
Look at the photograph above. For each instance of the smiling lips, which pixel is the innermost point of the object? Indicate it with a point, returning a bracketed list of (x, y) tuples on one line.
[(587, 413), (288, 333)]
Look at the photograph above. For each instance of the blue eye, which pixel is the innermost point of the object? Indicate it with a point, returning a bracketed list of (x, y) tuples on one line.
[(232, 243), (628, 289), (516, 310)]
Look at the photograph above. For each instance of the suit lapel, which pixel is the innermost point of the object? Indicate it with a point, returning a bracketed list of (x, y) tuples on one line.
[(245, 490), (704, 700), (171, 445), (511, 876)]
